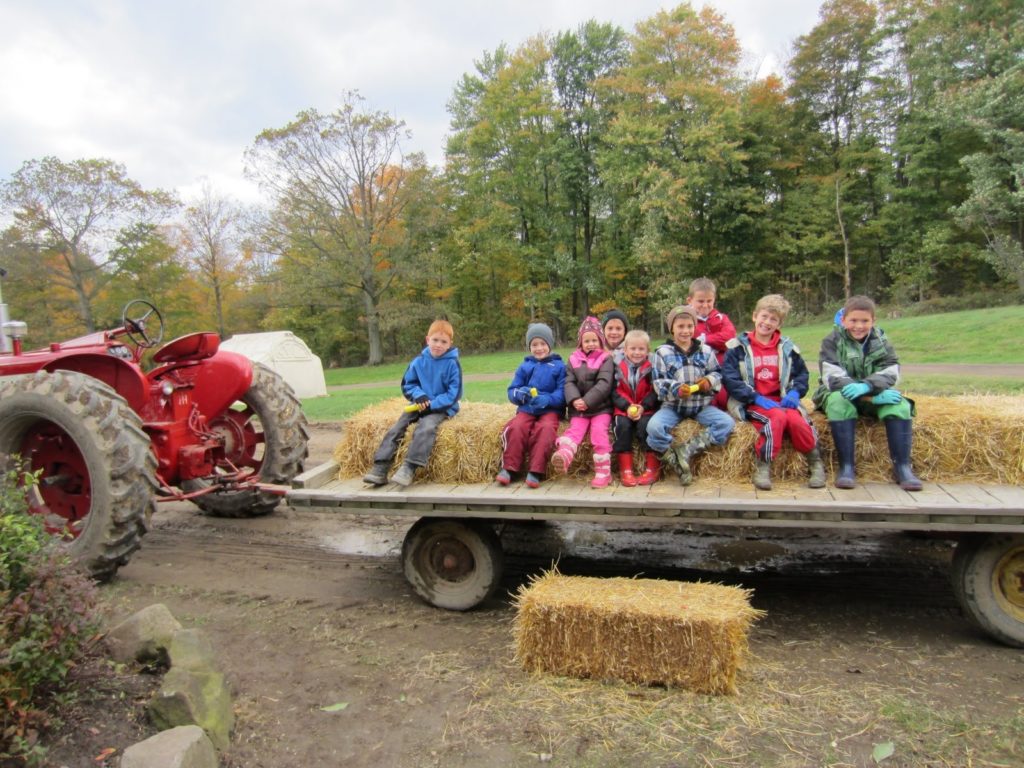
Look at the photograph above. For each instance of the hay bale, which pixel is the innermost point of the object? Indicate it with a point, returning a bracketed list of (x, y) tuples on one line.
[(649, 631), (468, 447), (956, 439)]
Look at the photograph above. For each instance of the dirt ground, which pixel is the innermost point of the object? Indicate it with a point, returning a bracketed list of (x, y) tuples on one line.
[(862, 657)]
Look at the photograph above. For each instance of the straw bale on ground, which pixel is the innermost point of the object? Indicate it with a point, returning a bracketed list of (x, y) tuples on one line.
[(648, 631), (956, 439)]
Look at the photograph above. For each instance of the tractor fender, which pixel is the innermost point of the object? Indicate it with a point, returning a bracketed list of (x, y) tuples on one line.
[(120, 375), (217, 381)]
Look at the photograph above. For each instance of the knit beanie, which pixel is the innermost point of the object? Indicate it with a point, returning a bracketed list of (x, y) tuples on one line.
[(614, 314), (542, 332), (683, 310), (591, 324)]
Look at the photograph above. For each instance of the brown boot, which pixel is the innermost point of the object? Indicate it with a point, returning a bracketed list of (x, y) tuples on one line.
[(652, 473), (626, 476)]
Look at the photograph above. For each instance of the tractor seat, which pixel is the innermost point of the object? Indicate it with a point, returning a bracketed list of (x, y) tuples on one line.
[(194, 346)]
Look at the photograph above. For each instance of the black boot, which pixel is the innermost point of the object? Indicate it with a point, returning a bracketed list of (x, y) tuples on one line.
[(899, 433), (843, 436)]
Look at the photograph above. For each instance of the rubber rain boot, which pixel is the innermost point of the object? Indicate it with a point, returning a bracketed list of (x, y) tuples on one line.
[(563, 455), (815, 469), (899, 433), (626, 476), (763, 475), (602, 470), (688, 451), (843, 435), (652, 473)]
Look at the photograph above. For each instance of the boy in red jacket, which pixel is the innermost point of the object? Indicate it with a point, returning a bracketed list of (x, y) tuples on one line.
[(714, 327)]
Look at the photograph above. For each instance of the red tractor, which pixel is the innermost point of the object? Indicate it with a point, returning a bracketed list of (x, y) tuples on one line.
[(109, 439)]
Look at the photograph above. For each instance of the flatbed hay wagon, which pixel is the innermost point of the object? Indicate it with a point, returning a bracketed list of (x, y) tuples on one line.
[(452, 555)]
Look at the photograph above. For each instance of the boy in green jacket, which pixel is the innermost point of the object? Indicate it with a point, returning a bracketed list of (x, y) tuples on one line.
[(859, 372)]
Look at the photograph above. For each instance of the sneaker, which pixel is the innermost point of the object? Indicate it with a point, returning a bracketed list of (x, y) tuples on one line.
[(378, 474), (404, 475), (532, 481), (503, 477)]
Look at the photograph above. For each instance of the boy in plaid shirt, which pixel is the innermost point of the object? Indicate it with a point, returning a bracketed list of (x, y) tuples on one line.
[(686, 377)]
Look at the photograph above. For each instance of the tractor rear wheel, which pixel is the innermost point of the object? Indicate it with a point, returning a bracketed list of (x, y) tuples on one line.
[(265, 432), (98, 475)]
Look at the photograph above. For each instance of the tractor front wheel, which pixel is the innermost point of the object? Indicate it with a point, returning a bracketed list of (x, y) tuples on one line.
[(265, 432), (97, 480)]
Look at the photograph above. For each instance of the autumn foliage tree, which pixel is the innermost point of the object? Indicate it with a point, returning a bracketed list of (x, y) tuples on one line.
[(343, 189), (68, 215)]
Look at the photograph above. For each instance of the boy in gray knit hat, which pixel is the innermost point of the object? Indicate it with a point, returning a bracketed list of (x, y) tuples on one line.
[(538, 389)]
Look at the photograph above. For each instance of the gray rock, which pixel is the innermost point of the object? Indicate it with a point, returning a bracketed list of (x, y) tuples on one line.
[(195, 696), (191, 649), (183, 747), (144, 636)]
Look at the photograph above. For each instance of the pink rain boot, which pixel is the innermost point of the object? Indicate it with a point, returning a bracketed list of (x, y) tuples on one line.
[(602, 470), (563, 455)]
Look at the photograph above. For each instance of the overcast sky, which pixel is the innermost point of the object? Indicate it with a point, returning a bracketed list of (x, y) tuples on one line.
[(176, 91)]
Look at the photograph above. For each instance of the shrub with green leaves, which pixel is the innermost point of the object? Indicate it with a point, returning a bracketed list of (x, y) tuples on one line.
[(47, 618)]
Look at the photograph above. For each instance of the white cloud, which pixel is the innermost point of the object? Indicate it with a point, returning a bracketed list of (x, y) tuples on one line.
[(176, 91)]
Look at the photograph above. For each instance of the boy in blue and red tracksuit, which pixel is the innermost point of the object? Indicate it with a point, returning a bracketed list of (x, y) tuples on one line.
[(635, 402), (766, 376), (538, 389)]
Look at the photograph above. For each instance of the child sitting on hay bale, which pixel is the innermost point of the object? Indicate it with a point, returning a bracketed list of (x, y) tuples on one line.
[(635, 402), (766, 376), (433, 385), (589, 380), (859, 373), (686, 376), (537, 389)]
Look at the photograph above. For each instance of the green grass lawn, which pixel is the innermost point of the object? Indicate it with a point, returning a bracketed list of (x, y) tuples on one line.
[(990, 336), (973, 336)]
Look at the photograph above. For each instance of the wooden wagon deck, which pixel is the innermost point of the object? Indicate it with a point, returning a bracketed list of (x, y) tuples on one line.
[(944, 507)]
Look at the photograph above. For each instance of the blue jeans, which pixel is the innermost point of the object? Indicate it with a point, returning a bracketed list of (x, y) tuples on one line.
[(659, 429), (422, 441)]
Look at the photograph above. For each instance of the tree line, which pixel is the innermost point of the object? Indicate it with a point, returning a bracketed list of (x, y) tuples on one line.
[(584, 169)]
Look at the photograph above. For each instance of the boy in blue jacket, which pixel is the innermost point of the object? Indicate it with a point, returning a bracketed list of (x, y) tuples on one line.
[(433, 383), (538, 389)]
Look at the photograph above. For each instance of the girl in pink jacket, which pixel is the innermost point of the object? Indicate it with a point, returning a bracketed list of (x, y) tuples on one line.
[(589, 381)]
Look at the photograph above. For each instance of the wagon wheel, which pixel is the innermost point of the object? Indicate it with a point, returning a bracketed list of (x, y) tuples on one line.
[(988, 579), (453, 564)]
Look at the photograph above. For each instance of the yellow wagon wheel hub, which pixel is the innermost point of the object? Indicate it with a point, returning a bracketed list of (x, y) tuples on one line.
[(1008, 582)]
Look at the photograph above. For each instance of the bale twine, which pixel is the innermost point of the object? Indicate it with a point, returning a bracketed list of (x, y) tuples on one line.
[(956, 439), (648, 631)]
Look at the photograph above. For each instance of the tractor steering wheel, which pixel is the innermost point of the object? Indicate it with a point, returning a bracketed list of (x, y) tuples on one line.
[(137, 325)]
